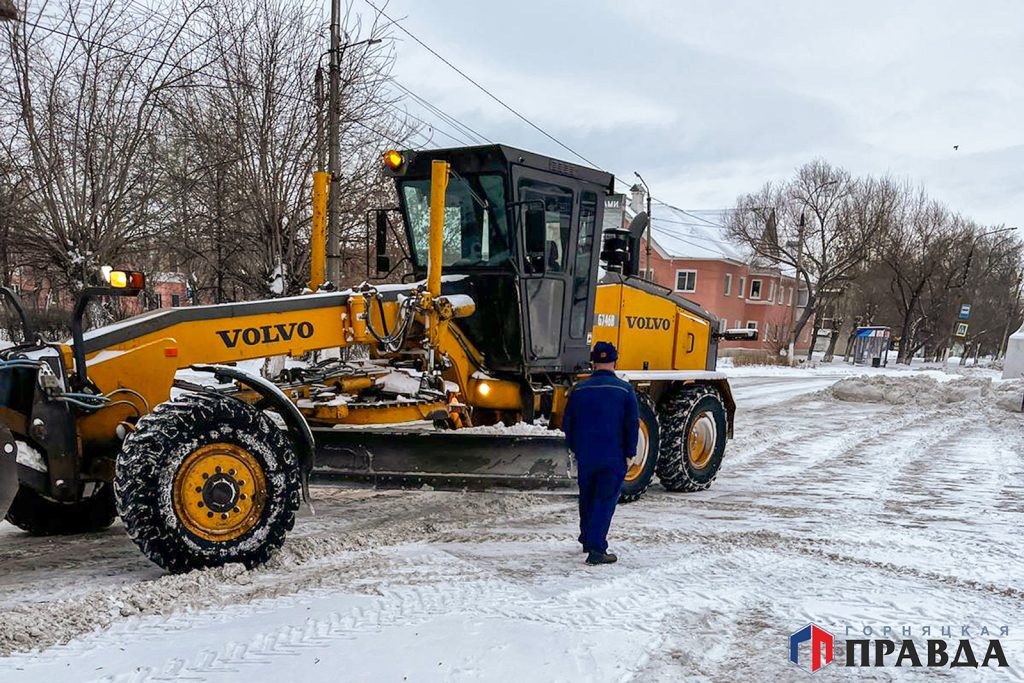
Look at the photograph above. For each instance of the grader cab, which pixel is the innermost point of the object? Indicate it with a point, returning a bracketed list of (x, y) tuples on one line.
[(464, 378)]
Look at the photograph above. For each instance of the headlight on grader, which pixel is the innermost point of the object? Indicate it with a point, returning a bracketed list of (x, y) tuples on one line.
[(127, 279)]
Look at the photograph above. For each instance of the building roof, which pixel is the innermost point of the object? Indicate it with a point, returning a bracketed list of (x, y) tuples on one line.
[(677, 233)]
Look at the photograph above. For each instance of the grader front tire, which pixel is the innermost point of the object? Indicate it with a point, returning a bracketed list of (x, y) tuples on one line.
[(206, 480), (640, 474), (693, 424)]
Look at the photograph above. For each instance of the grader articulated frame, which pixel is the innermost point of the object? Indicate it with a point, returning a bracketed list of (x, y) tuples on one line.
[(508, 246)]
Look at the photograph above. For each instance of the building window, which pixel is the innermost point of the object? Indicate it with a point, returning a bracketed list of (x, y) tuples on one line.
[(159, 300), (175, 300), (801, 298), (782, 293), (737, 325), (755, 289), (743, 288), (771, 291), (751, 324), (686, 280), (790, 296), (728, 284)]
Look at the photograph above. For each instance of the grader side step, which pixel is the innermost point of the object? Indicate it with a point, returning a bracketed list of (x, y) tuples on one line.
[(8, 470), (443, 460)]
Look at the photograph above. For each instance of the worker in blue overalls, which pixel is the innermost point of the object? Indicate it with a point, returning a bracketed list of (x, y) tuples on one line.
[(601, 428)]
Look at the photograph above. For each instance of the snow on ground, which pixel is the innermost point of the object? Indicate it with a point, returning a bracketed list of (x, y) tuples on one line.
[(844, 513)]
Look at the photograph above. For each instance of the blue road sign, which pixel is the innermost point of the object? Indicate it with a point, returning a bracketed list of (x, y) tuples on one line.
[(965, 311)]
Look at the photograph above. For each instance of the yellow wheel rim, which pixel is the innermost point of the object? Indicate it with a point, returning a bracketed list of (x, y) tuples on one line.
[(701, 440), (219, 492), (643, 441)]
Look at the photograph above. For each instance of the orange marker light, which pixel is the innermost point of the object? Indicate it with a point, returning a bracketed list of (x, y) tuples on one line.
[(394, 160), (127, 279), (119, 279)]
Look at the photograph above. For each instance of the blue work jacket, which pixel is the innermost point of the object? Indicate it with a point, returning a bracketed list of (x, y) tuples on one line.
[(601, 423)]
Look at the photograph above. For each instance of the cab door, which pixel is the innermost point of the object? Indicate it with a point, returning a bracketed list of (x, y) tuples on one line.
[(548, 210)]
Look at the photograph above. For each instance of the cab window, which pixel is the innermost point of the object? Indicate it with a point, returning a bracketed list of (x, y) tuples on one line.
[(581, 273), (547, 253), (475, 229)]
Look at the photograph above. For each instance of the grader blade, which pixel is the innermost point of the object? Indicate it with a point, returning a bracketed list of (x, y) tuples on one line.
[(443, 460), (8, 469)]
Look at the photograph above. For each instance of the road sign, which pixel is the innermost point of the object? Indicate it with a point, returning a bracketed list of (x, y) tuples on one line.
[(961, 329), (965, 311)]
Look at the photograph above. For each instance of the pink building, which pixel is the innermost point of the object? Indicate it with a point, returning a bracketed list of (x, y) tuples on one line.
[(692, 255)]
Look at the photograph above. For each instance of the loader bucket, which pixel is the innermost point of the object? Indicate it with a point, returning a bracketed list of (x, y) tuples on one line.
[(443, 459), (8, 470)]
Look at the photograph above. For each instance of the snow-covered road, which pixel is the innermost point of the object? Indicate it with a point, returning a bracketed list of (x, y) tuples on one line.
[(850, 515)]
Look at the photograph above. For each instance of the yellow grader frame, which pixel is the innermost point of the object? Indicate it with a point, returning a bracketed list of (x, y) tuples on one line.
[(212, 471)]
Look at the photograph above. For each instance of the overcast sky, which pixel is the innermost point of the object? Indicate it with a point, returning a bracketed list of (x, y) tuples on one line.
[(709, 99)]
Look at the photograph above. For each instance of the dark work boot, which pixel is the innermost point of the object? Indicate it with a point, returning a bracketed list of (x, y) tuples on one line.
[(601, 558)]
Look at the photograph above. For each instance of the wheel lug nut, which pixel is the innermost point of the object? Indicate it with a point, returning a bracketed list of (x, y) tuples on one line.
[(209, 514), (218, 469), (205, 475), (200, 503), (236, 509), (241, 482), (242, 496), (223, 515), (199, 489), (231, 471)]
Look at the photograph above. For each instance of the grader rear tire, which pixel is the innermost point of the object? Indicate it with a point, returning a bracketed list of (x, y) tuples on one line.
[(42, 516), (206, 480), (640, 474), (693, 423)]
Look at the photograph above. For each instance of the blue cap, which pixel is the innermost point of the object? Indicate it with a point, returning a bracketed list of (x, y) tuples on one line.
[(604, 352)]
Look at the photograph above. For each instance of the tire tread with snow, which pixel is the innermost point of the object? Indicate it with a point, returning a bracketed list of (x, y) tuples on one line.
[(676, 412), (152, 454)]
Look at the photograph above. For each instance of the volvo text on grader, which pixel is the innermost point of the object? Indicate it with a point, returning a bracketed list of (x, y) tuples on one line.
[(507, 247)]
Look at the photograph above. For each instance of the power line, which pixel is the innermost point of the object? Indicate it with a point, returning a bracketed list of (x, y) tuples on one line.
[(198, 72), (449, 118), (482, 88)]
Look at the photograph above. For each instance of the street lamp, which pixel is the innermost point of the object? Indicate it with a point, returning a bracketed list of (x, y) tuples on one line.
[(796, 284), (650, 220)]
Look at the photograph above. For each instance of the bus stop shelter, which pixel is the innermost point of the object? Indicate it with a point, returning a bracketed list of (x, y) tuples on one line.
[(871, 346)]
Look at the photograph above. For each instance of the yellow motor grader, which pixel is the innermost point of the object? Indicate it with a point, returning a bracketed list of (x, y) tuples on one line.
[(463, 382)]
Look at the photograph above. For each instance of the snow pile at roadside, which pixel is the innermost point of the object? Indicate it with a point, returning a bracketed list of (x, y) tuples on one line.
[(909, 390), (1009, 395)]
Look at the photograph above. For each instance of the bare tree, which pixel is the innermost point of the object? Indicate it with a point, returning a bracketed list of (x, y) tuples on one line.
[(824, 223), (83, 109), (247, 130)]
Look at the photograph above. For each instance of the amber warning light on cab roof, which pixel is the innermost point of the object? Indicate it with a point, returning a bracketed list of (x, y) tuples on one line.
[(395, 161)]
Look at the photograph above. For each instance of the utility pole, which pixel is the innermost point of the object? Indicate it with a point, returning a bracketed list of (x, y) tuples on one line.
[(333, 162), (1010, 315), (796, 287)]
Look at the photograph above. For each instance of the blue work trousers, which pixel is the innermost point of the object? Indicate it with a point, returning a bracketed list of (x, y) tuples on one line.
[(600, 485)]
